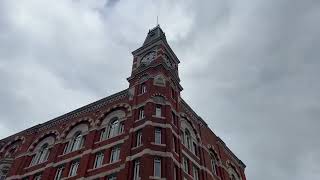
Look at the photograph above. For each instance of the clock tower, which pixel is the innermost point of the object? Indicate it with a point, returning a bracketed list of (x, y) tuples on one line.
[(155, 58)]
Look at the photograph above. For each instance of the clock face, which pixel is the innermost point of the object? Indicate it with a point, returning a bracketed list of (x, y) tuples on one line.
[(148, 58)]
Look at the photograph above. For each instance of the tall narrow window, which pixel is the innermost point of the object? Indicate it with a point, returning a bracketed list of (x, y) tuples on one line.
[(174, 145), (158, 110), (157, 135), (59, 173), (136, 170), (139, 138), (74, 168), (194, 148), (213, 164), (141, 113), (98, 160), (195, 173), (188, 138), (157, 167), (113, 127), (143, 88), (185, 165), (115, 154)]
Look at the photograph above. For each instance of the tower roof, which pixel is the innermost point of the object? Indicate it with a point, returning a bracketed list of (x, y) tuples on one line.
[(154, 34)]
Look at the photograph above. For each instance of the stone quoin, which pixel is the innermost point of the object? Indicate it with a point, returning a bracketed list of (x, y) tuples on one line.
[(144, 132)]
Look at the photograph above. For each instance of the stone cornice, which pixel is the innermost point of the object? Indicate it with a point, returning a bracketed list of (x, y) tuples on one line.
[(190, 112), (235, 158), (73, 114)]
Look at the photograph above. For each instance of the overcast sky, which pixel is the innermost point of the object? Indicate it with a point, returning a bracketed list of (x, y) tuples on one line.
[(249, 68)]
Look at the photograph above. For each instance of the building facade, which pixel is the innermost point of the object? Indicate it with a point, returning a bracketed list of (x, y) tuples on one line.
[(144, 132)]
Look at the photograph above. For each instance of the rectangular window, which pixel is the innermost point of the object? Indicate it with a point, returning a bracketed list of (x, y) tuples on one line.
[(59, 173), (74, 168), (98, 160), (195, 173), (115, 154), (185, 165), (194, 148), (158, 110), (141, 113), (143, 88), (139, 138), (157, 135), (136, 171), (157, 167), (174, 141)]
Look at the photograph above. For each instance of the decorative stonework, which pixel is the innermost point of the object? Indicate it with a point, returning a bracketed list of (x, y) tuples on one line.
[(105, 113), (54, 133), (82, 120)]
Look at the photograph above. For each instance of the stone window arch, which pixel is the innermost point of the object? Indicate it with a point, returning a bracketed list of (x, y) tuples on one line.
[(42, 150)]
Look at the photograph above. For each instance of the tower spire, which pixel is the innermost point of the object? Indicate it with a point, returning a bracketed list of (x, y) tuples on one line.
[(157, 21)]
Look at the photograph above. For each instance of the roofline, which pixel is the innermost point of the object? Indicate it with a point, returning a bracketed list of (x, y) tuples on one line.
[(229, 151), (69, 115), (192, 111)]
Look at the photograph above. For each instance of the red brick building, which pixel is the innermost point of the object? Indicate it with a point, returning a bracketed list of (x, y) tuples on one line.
[(144, 132)]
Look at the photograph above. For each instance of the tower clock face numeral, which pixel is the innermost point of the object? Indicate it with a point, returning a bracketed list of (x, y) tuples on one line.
[(148, 58)]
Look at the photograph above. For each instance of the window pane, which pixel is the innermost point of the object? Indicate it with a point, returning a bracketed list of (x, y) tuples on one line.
[(136, 170), (115, 154), (59, 172), (158, 111), (157, 167), (157, 136), (139, 138), (98, 160), (74, 169)]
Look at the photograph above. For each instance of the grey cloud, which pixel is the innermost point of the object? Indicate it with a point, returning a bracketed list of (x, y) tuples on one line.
[(249, 68)]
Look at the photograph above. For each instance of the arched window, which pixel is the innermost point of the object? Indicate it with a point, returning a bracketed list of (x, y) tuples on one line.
[(214, 163), (41, 155), (76, 142), (114, 128), (188, 138)]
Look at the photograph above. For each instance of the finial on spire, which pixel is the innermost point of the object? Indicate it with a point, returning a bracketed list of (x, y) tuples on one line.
[(157, 21)]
